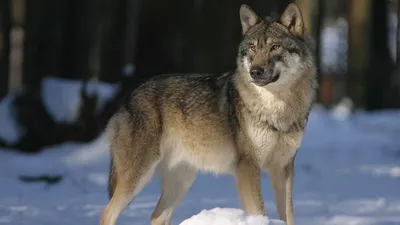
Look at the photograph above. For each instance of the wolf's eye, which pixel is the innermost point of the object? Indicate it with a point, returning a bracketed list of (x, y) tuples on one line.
[(275, 47), (252, 47)]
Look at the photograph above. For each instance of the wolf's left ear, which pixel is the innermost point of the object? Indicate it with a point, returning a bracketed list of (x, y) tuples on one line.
[(293, 20), (248, 18)]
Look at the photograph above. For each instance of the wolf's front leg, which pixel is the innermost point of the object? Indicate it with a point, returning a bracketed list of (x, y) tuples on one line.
[(248, 183), (282, 182), (289, 190)]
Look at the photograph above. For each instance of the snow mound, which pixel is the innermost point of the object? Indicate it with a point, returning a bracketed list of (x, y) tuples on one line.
[(228, 216), (62, 97), (10, 131)]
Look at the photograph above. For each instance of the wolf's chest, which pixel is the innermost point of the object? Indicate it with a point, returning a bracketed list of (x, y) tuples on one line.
[(270, 146)]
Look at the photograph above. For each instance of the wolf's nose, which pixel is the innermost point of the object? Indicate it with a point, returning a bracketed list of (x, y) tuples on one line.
[(256, 72)]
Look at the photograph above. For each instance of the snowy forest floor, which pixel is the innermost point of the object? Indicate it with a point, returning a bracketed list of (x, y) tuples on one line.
[(347, 173)]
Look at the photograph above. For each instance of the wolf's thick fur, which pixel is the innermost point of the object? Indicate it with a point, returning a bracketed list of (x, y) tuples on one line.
[(239, 123)]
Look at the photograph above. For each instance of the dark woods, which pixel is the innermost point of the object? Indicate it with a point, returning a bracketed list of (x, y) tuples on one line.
[(128, 41)]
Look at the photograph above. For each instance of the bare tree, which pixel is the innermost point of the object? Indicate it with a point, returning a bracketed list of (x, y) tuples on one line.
[(381, 65), (370, 64), (78, 35), (397, 4), (359, 49), (5, 29)]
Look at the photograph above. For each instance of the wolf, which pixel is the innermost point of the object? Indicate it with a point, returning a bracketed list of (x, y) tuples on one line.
[(241, 123)]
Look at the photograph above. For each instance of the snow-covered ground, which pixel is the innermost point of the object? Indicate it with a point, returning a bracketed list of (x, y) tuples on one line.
[(347, 173)]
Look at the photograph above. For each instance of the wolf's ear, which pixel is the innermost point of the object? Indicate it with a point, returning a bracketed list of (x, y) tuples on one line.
[(293, 20), (248, 18)]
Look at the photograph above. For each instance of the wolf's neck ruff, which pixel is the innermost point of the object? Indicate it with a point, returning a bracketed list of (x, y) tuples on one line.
[(285, 110)]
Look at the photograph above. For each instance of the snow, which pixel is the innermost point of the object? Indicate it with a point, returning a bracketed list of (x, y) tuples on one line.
[(228, 216), (10, 131), (129, 70), (62, 97), (343, 109), (334, 47), (347, 173)]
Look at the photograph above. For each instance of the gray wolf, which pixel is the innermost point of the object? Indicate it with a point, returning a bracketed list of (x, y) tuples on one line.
[(242, 123)]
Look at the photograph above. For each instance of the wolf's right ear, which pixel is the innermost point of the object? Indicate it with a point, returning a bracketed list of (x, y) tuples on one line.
[(248, 18)]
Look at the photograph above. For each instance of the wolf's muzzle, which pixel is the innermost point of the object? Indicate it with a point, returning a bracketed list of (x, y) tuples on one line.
[(256, 72), (261, 78)]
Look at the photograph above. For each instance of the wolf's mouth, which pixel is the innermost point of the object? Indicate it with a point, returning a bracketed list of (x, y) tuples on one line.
[(276, 73), (267, 79), (275, 78)]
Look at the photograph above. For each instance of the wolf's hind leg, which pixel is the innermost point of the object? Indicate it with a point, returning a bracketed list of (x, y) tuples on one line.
[(129, 184), (176, 182), (135, 155)]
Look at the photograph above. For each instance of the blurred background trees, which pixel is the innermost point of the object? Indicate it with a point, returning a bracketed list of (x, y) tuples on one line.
[(128, 41)]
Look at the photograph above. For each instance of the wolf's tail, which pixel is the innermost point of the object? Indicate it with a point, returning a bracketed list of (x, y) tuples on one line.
[(112, 179)]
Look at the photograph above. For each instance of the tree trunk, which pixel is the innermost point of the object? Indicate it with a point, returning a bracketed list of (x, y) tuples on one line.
[(43, 39), (18, 12), (112, 40), (319, 19), (5, 29), (78, 37), (378, 79), (395, 75), (398, 35), (132, 11), (358, 50)]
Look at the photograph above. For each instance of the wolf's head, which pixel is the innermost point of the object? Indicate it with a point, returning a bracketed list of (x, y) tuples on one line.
[(274, 52)]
